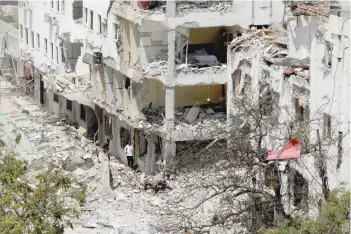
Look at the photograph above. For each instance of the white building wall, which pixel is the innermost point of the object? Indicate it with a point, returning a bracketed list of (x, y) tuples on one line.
[(330, 93), (32, 17)]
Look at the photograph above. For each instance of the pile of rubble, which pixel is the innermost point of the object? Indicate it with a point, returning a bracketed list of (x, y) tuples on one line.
[(69, 83), (186, 7), (308, 10), (300, 77), (184, 69), (157, 67), (186, 115)]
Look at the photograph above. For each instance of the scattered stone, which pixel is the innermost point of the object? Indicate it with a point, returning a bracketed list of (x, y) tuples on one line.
[(192, 114), (77, 161), (97, 221)]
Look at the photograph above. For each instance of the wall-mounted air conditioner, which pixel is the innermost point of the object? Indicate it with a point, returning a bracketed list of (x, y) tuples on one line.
[(97, 58)]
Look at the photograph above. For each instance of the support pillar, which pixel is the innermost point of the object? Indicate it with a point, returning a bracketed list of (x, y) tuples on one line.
[(169, 152)]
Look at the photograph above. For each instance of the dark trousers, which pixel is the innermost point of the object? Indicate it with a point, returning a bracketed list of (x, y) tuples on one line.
[(130, 160)]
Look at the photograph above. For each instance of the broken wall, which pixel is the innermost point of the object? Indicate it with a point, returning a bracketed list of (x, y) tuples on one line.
[(153, 41), (130, 43), (301, 33)]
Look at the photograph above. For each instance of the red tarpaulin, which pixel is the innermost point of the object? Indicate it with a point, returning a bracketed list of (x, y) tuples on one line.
[(290, 151)]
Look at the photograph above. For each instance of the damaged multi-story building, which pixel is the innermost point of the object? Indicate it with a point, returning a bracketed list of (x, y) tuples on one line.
[(153, 73), (300, 69), (162, 74)]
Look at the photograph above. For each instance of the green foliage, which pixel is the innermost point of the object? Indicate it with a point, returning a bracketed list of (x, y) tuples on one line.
[(39, 208), (331, 220), (18, 138), (2, 143)]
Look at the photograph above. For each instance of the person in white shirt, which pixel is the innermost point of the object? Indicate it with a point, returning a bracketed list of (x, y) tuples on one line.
[(129, 152)]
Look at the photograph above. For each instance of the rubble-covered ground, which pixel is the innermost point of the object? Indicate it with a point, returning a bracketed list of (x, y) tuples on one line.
[(45, 138)]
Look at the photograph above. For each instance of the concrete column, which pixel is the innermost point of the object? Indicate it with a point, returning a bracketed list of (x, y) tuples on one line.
[(169, 152), (169, 107), (171, 9)]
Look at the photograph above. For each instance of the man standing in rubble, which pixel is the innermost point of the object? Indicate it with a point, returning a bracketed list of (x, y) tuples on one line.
[(129, 152)]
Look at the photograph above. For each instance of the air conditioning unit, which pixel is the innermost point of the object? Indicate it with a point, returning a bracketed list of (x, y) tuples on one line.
[(97, 58)]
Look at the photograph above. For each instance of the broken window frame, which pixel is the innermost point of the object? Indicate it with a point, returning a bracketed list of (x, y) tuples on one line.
[(82, 114), (85, 15), (63, 6), (56, 98), (58, 5), (327, 128), (52, 50), (46, 45), (115, 30), (91, 23), (300, 191), (27, 36), (328, 57), (68, 104), (52, 4), (108, 125), (99, 24), (21, 31), (266, 102), (57, 55), (38, 41), (104, 27), (123, 140), (32, 38)]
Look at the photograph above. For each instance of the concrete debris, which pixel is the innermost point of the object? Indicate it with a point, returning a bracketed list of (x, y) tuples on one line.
[(280, 34), (156, 184), (156, 115), (96, 221), (192, 114), (77, 161), (199, 62), (187, 7), (308, 10), (251, 38), (201, 58)]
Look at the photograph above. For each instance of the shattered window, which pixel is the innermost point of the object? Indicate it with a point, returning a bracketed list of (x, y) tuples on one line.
[(27, 36), (100, 24), (85, 15), (300, 190), (104, 27), (56, 99), (38, 40), (328, 54), (63, 6), (108, 125), (91, 20), (82, 112), (115, 31), (69, 105), (124, 136), (265, 100), (46, 45), (21, 30), (32, 38)]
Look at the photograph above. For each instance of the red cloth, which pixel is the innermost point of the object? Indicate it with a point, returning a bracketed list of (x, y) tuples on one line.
[(291, 150)]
